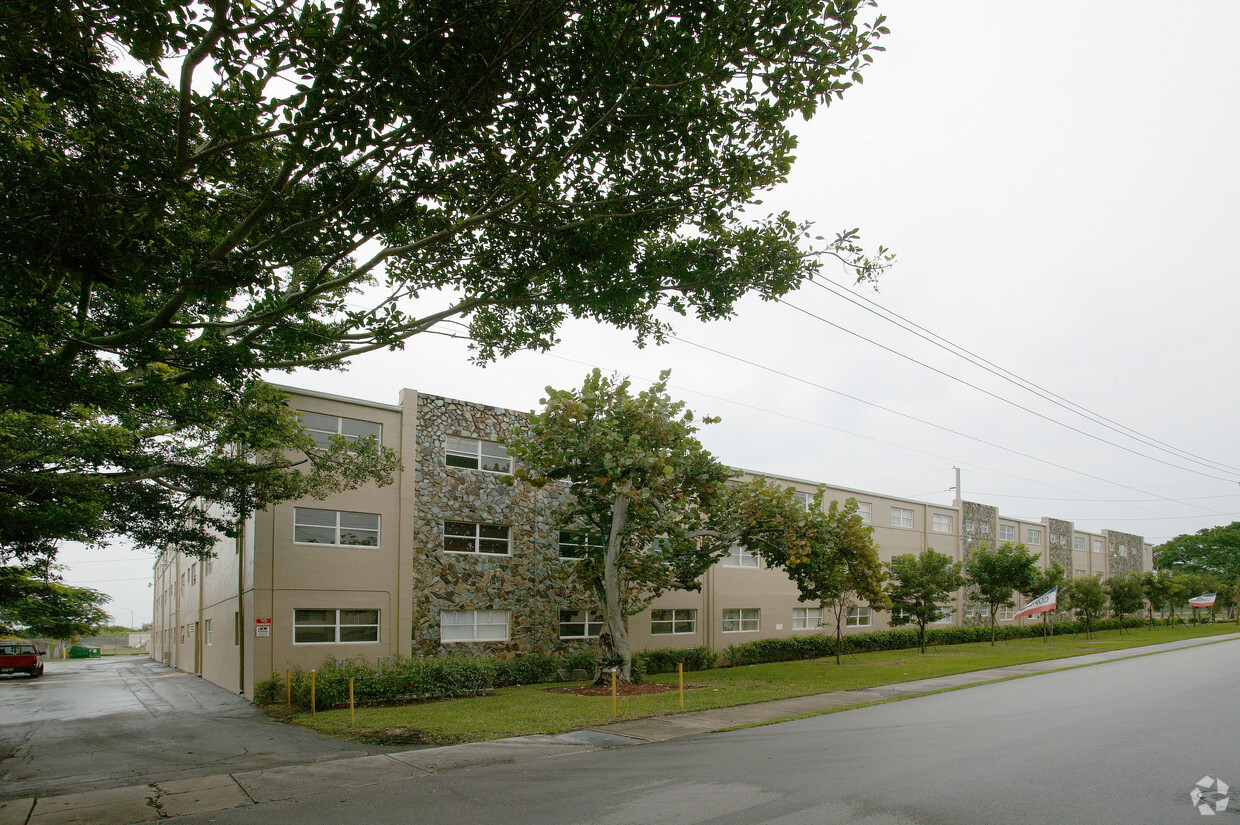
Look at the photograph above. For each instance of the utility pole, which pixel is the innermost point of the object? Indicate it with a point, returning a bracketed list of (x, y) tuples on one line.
[(959, 492)]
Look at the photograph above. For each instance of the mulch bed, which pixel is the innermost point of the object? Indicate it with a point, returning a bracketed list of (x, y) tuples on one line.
[(643, 689)]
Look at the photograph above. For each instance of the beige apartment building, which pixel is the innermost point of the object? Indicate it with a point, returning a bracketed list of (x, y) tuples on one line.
[(451, 560)]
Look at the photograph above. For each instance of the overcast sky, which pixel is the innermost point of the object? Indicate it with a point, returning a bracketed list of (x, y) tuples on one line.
[(1061, 192)]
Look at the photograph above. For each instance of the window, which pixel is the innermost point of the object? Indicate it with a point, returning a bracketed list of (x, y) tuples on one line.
[(945, 615), (806, 618), (942, 524), (901, 517), (901, 613), (806, 500), (742, 620), (580, 624), (985, 527), (1007, 532), (206, 566), (473, 626), (1033, 536), (193, 573), (1006, 613), (182, 634), (665, 622), (316, 627), (740, 556), (576, 545), (972, 611), (466, 537), (859, 616), (1078, 573), (866, 510), (207, 628), (477, 454), (323, 428), (1122, 550), (339, 527), (1097, 545), (1078, 542)]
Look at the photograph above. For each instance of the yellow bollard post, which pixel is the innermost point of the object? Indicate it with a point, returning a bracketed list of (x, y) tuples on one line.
[(613, 693), (288, 688), (351, 723), (312, 709), (680, 675)]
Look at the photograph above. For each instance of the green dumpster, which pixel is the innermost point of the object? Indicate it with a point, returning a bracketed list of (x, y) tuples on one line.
[(83, 652)]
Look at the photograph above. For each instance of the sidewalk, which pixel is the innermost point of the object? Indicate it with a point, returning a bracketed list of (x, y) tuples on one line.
[(145, 803)]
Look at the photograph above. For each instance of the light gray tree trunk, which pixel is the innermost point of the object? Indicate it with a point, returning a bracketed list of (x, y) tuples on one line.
[(614, 640)]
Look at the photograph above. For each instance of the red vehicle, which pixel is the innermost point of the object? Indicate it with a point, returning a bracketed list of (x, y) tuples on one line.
[(19, 657)]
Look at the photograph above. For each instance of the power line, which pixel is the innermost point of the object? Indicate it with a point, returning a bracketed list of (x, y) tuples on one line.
[(993, 395), (932, 424), (949, 346)]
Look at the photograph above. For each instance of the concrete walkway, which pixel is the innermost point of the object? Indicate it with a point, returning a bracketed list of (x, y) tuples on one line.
[(145, 803)]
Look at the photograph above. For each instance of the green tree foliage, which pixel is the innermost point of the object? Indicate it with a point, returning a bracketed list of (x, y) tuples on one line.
[(194, 193), (33, 602), (1126, 594), (919, 587), (1086, 599), (842, 567), (1156, 587), (1212, 550), (666, 509), (995, 574)]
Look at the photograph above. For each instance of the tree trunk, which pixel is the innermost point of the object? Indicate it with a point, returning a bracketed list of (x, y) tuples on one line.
[(613, 641), (993, 619), (839, 615), (921, 636)]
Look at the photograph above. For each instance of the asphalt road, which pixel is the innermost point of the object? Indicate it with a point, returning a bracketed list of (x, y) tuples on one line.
[(116, 721), (1123, 742)]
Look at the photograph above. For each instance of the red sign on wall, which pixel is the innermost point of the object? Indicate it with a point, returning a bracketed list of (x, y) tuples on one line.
[(262, 627)]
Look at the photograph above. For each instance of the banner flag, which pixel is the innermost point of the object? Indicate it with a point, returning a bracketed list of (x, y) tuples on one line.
[(1042, 604), (1206, 600)]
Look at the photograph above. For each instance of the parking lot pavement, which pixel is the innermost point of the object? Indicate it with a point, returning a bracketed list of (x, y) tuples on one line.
[(116, 721)]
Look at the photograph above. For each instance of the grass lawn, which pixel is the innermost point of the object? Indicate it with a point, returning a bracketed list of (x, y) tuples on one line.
[(532, 709)]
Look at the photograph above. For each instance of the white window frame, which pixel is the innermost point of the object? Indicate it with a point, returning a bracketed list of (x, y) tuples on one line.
[(591, 622), (1078, 573), (206, 627), (899, 517), (674, 620), (742, 620), (803, 498), (481, 631), (338, 627), (1095, 545), (975, 610), (473, 454), (945, 615), (580, 539), (1033, 537), (806, 618), (741, 556), (1078, 544), (1122, 550), (859, 615), (477, 538), (339, 531), (322, 435), (1006, 612), (942, 523), (1007, 532), (865, 509)]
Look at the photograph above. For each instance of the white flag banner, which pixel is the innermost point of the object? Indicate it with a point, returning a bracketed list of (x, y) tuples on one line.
[(1204, 600), (1042, 604)]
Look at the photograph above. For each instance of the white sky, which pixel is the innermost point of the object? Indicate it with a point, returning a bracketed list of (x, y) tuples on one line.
[(1060, 189)]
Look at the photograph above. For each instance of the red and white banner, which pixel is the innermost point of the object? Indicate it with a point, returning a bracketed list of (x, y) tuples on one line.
[(1042, 604), (1206, 600)]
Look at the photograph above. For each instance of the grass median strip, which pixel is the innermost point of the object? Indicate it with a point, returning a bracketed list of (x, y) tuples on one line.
[(529, 709)]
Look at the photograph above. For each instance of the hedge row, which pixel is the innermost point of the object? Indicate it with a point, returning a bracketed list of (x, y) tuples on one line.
[(819, 645), (406, 680)]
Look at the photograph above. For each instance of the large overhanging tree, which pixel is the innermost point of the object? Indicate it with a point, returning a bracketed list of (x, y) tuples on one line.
[(193, 193), (663, 507)]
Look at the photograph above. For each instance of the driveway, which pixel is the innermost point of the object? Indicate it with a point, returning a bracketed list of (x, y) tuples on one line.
[(117, 721)]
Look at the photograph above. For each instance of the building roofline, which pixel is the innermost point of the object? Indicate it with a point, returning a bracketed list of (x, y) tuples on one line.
[(332, 397), (831, 486)]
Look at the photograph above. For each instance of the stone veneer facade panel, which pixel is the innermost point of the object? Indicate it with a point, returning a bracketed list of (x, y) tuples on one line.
[(1059, 534), (1131, 560), (531, 583)]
